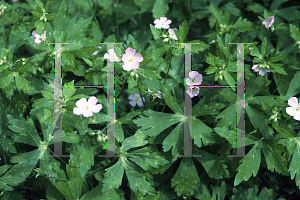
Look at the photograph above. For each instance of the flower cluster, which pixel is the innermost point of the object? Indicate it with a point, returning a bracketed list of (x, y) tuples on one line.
[(163, 23), (38, 38), (194, 79), (262, 69), (158, 94)]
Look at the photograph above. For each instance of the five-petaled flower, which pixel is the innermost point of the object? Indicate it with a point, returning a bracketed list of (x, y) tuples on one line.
[(87, 108), (131, 60), (194, 78), (111, 56), (38, 38), (163, 22), (193, 91), (268, 22), (295, 109), (262, 68), (136, 99), (96, 52), (172, 33)]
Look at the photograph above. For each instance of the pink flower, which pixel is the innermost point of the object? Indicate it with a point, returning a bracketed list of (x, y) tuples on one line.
[(136, 99), (268, 22), (38, 38), (131, 60), (87, 108), (193, 91), (262, 69), (172, 33), (163, 22), (111, 56), (195, 78), (96, 52), (295, 109)]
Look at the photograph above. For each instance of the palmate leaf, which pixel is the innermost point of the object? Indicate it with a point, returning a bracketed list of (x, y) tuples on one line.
[(96, 194), (113, 176), (186, 179), (160, 8), (294, 87), (175, 140), (201, 133)]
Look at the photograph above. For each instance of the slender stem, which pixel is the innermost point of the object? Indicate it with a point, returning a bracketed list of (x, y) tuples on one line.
[(4, 35), (4, 157), (57, 156), (140, 93), (94, 15), (164, 108)]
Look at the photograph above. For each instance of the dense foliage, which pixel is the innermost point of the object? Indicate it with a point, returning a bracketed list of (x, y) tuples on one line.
[(149, 97)]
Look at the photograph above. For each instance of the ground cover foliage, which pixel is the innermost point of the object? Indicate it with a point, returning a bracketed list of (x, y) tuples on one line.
[(149, 99)]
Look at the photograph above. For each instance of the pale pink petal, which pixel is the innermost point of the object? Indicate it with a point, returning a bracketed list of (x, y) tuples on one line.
[(135, 65), (262, 73), (125, 58), (168, 22), (87, 113), (34, 33), (96, 108), (93, 100), (132, 103), (130, 51), (163, 19), (138, 57), (140, 103), (189, 91), (127, 66), (291, 111), (81, 103), (111, 52), (255, 68), (188, 82), (95, 53), (156, 21), (293, 102), (136, 95), (117, 60), (158, 94), (77, 111), (297, 116)]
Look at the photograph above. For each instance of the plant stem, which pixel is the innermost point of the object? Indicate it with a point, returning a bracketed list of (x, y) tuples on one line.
[(4, 35), (141, 93), (57, 156), (4, 157), (94, 15)]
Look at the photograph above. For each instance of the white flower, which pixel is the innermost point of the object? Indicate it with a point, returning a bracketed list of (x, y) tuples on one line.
[(163, 22), (87, 108), (172, 33), (295, 109), (111, 56)]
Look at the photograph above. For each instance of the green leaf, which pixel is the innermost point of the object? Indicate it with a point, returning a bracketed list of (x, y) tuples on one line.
[(156, 33), (227, 114), (213, 165), (200, 47), (170, 100), (186, 178), (39, 25), (74, 28), (294, 168), (96, 194), (139, 179), (160, 8), (258, 120), (254, 86), (69, 91), (183, 30), (200, 109), (272, 152), (294, 87), (22, 83), (201, 133), (148, 73), (249, 166), (119, 133), (6, 80), (71, 137), (295, 33), (47, 5), (255, 52), (264, 48), (156, 122), (75, 45), (131, 83), (137, 140), (25, 131), (11, 17), (277, 68), (229, 79), (175, 140), (39, 57), (113, 176)]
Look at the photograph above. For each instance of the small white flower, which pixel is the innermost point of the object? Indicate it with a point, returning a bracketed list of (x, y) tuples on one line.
[(87, 108), (163, 22), (295, 109), (111, 56)]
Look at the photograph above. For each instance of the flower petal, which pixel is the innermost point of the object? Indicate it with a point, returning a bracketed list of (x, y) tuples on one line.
[(293, 102), (77, 111), (81, 103), (87, 113), (189, 91), (96, 108), (111, 52), (131, 97), (291, 111), (127, 66), (138, 57), (196, 91), (132, 103), (93, 100), (130, 51), (135, 65), (297, 116), (188, 82), (140, 103)]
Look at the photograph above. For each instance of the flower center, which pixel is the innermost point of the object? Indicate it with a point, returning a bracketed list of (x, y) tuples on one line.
[(130, 59), (298, 108), (193, 80), (87, 107)]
